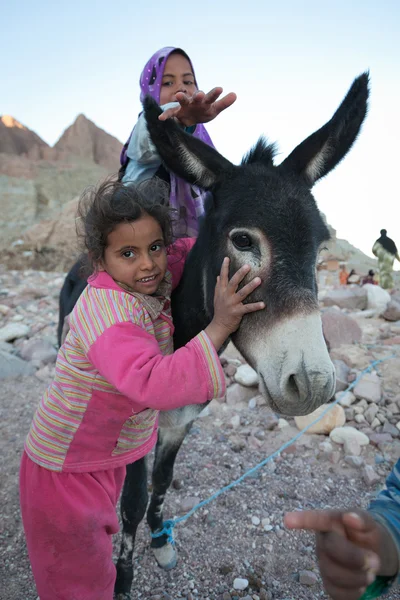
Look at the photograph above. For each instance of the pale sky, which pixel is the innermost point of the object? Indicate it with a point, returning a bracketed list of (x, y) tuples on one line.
[(290, 63)]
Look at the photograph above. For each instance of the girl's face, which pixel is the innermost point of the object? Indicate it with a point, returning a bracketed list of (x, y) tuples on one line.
[(136, 255), (178, 77)]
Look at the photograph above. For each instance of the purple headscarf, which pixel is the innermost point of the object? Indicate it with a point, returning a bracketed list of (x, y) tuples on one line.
[(187, 199)]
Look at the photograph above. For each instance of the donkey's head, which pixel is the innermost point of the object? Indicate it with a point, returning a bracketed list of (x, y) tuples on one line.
[(265, 215)]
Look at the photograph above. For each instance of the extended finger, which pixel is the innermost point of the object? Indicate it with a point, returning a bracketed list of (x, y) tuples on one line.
[(248, 288), (251, 307), (314, 520), (224, 274), (238, 277), (199, 97), (213, 95), (225, 102), (169, 113)]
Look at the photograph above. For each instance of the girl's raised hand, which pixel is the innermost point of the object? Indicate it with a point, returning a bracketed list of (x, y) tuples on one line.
[(228, 303), (199, 108)]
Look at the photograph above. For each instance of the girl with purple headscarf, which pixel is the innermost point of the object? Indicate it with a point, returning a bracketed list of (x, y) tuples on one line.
[(169, 78)]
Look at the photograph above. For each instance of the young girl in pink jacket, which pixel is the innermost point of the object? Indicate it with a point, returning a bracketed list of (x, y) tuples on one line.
[(115, 371)]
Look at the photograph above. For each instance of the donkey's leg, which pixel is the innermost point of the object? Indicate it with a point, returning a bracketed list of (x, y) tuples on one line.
[(133, 508), (168, 444)]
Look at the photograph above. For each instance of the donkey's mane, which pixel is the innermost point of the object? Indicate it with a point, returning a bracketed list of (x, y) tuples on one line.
[(261, 152)]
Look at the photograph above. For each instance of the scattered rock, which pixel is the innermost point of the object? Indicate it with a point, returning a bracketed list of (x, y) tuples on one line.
[(188, 503), (12, 366), (371, 413), (13, 331), (392, 312), (352, 446), (308, 578), (354, 461), (246, 376), (369, 387), (346, 399), (39, 351), (240, 584), (370, 476), (237, 393), (342, 434), (335, 417)]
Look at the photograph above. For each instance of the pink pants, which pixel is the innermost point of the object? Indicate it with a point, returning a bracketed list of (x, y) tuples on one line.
[(69, 519)]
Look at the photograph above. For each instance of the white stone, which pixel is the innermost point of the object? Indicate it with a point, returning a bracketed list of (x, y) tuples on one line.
[(246, 376), (360, 419), (375, 423), (346, 398), (255, 520), (282, 423), (253, 403), (378, 298), (13, 331), (340, 434), (335, 417), (240, 584), (265, 522)]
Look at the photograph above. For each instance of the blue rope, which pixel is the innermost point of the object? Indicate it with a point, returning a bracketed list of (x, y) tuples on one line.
[(169, 525)]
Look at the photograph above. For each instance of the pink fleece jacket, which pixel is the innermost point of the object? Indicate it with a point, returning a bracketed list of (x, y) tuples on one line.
[(115, 372)]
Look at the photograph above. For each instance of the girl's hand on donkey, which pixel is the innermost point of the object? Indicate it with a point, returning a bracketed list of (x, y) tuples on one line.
[(228, 303), (199, 108)]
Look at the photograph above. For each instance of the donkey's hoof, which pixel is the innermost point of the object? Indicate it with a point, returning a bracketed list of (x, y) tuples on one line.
[(166, 556)]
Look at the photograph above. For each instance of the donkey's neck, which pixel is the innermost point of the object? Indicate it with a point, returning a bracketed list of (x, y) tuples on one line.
[(189, 304)]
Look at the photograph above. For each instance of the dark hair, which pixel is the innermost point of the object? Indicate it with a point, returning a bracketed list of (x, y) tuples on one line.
[(101, 209), (371, 273), (383, 232)]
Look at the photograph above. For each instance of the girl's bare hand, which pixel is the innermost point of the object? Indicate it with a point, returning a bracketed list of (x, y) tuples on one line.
[(199, 108), (228, 303)]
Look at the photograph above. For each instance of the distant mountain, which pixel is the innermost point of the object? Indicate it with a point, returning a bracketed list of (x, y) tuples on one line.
[(16, 139), (84, 139)]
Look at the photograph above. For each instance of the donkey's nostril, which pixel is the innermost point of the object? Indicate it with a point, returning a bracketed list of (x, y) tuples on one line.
[(292, 386)]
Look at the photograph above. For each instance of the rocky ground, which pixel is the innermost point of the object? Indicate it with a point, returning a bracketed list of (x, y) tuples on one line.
[(235, 547)]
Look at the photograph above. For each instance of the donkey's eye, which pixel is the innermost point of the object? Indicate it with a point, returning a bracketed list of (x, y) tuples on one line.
[(242, 241)]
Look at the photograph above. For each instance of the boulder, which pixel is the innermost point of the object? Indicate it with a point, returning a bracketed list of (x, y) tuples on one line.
[(392, 311), (378, 298), (339, 329), (334, 418), (353, 298)]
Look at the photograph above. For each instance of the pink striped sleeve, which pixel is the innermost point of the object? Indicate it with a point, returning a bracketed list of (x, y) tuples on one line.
[(130, 359)]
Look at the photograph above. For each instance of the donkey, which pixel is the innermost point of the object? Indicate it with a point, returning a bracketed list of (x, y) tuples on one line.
[(263, 215)]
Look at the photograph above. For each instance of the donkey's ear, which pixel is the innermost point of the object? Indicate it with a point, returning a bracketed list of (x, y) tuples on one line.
[(325, 148), (183, 154)]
